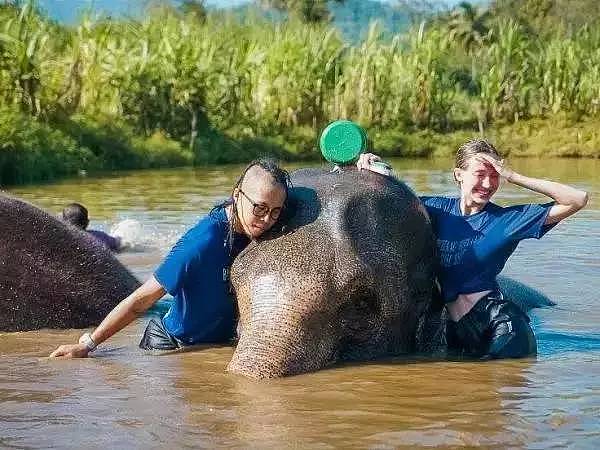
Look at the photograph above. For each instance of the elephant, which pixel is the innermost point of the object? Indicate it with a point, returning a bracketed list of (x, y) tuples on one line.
[(53, 275), (347, 275)]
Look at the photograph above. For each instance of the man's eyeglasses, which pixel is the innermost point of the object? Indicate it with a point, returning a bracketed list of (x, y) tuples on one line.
[(261, 210)]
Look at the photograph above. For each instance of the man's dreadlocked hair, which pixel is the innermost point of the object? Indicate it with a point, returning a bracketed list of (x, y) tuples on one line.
[(280, 177)]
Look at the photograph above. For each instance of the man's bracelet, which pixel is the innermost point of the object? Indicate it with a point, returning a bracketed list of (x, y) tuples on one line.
[(86, 339), (381, 167)]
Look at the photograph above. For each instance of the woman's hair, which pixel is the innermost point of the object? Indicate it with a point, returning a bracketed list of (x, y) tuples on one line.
[(280, 177), (470, 149)]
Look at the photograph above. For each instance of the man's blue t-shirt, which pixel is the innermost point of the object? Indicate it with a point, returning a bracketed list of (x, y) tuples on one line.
[(195, 273), (474, 249), (106, 239)]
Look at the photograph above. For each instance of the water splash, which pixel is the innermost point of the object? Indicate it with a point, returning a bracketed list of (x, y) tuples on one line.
[(136, 237)]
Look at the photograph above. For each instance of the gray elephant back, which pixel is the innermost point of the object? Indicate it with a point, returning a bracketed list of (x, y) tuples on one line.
[(525, 297), (353, 200), (316, 189), (371, 213), (53, 275)]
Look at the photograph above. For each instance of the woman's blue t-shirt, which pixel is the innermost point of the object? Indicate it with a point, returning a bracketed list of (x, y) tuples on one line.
[(195, 273), (474, 249)]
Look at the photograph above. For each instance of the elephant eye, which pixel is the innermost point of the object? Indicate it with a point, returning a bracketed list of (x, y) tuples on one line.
[(364, 306)]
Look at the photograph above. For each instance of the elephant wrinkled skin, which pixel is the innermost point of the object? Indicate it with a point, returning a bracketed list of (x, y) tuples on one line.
[(53, 275)]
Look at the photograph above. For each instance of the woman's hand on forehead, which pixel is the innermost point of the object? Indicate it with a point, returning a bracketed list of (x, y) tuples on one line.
[(494, 164)]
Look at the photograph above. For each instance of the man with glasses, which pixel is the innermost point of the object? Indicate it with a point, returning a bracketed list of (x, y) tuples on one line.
[(195, 272)]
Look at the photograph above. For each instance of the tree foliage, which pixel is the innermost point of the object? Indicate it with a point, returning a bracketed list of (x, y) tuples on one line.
[(310, 11), (546, 17), (194, 8), (469, 24)]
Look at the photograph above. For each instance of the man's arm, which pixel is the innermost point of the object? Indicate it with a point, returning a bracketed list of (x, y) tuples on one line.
[(122, 315)]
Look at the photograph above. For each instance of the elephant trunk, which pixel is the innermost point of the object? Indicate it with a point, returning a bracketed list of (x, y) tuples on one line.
[(278, 333), (262, 358)]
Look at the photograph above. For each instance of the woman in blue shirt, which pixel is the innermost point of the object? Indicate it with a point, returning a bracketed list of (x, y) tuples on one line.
[(475, 238), (195, 272)]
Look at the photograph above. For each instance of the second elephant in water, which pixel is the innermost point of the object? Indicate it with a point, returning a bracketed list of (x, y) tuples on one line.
[(348, 276), (54, 275)]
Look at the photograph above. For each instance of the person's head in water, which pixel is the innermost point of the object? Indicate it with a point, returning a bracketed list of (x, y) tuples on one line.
[(76, 214), (258, 197), (477, 179)]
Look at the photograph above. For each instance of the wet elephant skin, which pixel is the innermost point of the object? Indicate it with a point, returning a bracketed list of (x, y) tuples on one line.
[(347, 276), (53, 275)]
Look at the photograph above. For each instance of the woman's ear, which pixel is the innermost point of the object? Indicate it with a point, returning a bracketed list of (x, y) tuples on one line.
[(457, 175), (236, 193)]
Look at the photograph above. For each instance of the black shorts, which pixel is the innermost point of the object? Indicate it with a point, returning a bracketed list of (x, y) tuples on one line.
[(157, 338), (494, 328)]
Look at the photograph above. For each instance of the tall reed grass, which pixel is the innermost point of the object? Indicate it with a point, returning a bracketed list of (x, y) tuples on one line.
[(184, 78)]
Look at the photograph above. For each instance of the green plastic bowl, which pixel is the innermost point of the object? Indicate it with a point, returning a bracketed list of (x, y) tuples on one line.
[(342, 142)]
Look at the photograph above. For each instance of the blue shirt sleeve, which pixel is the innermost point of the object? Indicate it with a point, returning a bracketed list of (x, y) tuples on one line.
[(185, 257), (428, 200), (527, 221), (436, 202), (435, 206)]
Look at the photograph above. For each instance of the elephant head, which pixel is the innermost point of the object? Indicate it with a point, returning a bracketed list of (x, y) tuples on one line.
[(348, 275)]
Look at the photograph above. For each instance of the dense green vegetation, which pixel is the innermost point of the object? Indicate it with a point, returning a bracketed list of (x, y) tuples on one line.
[(182, 87)]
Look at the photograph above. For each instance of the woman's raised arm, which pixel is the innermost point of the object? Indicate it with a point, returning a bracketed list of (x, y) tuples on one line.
[(568, 199)]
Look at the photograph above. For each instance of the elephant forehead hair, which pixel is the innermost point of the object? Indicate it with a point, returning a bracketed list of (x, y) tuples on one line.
[(279, 298), (303, 261), (291, 258)]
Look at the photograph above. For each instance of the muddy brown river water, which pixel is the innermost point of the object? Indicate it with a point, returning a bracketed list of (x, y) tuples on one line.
[(125, 398)]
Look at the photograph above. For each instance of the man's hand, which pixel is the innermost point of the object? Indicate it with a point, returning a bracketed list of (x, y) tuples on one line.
[(374, 163), (70, 351)]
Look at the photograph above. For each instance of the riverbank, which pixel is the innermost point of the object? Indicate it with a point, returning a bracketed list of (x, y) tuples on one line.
[(177, 89), (553, 137), (31, 151)]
